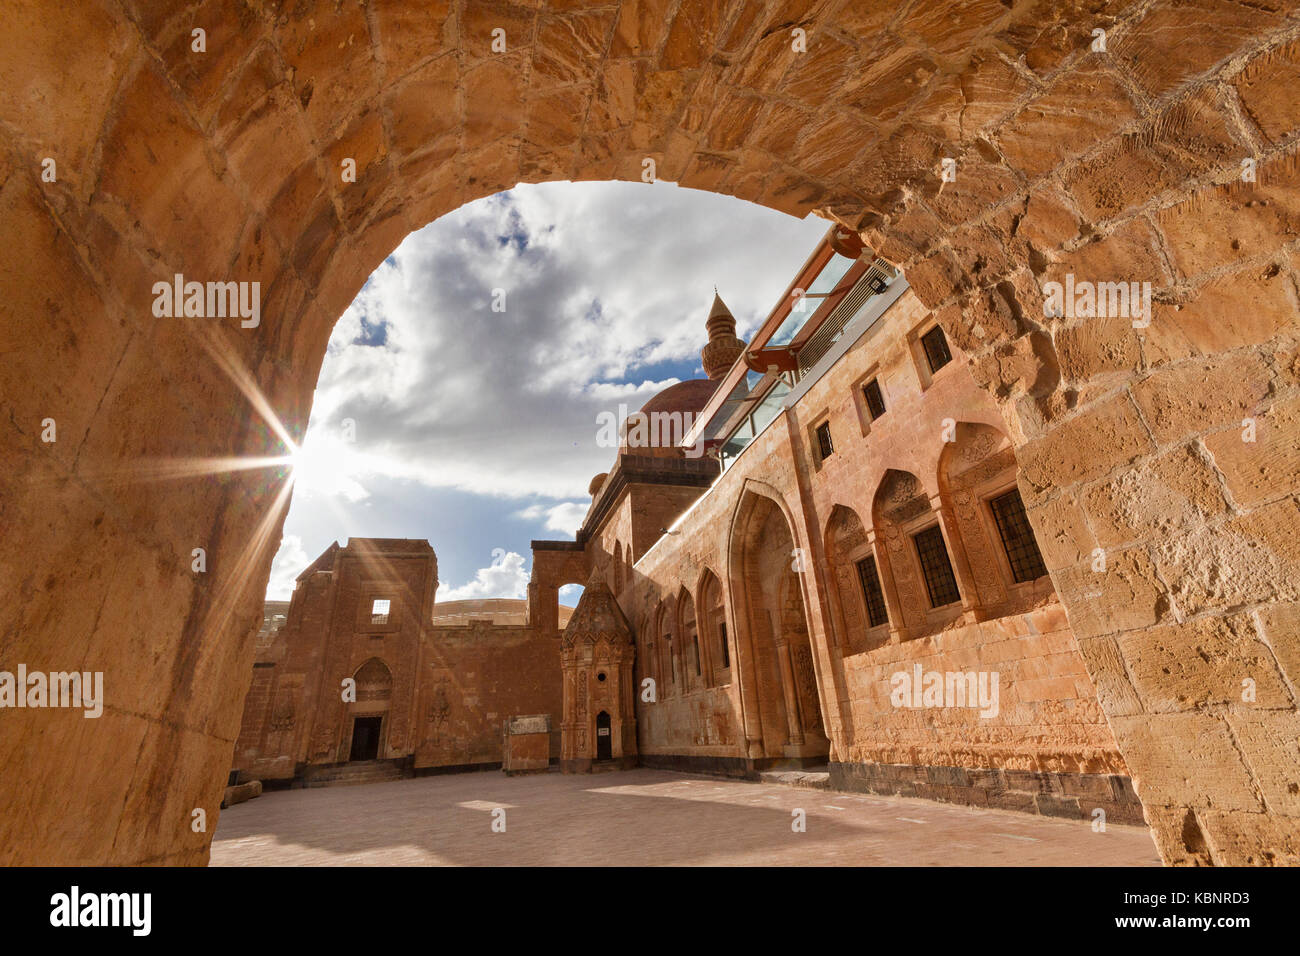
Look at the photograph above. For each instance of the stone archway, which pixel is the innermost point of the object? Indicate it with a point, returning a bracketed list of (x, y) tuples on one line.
[(1166, 155), (780, 693)]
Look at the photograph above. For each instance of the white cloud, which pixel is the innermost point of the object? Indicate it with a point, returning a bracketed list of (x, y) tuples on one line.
[(505, 577), (288, 564), (565, 517), (605, 284), (607, 289)]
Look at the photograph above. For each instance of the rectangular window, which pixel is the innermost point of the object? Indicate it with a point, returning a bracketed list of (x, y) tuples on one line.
[(936, 349), (695, 649), (873, 592), (379, 611), (824, 440), (875, 400), (1017, 536), (939, 579), (722, 636)]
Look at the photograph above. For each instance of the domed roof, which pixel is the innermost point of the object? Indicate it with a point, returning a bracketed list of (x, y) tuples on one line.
[(689, 396)]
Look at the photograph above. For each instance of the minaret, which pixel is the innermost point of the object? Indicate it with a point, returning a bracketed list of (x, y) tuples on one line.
[(723, 347)]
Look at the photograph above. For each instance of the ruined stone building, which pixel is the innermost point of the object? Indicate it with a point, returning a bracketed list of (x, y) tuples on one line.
[(835, 505), (431, 684)]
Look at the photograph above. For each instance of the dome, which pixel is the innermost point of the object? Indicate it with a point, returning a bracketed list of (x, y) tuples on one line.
[(689, 396), (661, 424)]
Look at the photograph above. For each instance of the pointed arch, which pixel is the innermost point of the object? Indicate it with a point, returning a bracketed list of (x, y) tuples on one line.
[(990, 532), (711, 614), (780, 692)]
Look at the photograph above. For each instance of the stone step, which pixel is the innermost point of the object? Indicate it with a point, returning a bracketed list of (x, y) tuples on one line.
[(357, 773), (799, 779)]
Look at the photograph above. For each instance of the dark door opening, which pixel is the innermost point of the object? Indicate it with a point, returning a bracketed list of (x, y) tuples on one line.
[(365, 738), (604, 747)]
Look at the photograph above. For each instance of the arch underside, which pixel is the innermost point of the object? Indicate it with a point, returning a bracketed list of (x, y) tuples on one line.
[(1117, 166)]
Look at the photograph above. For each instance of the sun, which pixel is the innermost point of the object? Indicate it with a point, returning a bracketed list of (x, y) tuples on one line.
[(329, 466)]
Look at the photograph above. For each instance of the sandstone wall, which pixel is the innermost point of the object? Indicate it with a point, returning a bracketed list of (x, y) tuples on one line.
[(449, 687), (1114, 164), (1049, 722)]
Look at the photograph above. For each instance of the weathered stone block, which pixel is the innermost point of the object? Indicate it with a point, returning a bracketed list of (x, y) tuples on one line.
[(1202, 663), (1267, 89), (1260, 470), (1170, 45), (1195, 397), (1075, 112), (1087, 446), (1160, 497), (1204, 770), (1124, 596)]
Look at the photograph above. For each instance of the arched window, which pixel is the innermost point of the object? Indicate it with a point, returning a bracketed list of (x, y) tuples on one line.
[(617, 561), (713, 627), (668, 681), (914, 564), (977, 483), (859, 610), (691, 667)]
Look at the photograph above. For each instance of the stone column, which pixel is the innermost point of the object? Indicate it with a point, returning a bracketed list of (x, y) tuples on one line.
[(893, 607), (956, 556), (792, 711)]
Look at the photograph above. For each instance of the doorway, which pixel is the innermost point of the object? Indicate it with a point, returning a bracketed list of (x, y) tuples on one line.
[(365, 738), (604, 747)]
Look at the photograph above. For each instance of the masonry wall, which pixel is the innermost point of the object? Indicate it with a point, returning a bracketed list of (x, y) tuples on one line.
[(1049, 727), (1117, 163), (443, 692), (483, 674)]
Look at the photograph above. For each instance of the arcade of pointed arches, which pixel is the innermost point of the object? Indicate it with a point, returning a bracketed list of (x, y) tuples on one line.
[(955, 549)]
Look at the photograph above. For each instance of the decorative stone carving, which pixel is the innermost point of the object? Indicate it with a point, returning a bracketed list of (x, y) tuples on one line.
[(597, 652), (282, 718), (439, 709)]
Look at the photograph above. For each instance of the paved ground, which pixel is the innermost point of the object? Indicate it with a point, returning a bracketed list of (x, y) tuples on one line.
[(644, 818)]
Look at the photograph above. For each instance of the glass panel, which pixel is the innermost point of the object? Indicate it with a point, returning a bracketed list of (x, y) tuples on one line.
[(830, 275), (725, 411), (770, 406), (803, 310), (748, 429)]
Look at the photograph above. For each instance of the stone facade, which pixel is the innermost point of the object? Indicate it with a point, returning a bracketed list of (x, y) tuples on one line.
[(1167, 153), (758, 664), (599, 722), (429, 695)]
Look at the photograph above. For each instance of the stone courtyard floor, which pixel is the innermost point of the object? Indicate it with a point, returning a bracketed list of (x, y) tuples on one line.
[(644, 818)]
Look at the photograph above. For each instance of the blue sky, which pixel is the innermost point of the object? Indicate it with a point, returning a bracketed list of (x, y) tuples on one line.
[(438, 417)]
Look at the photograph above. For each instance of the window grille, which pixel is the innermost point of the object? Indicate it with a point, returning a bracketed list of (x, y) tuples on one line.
[(875, 400), (824, 444), (1017, 537), (936, 349), (940, 582), (873, 592)]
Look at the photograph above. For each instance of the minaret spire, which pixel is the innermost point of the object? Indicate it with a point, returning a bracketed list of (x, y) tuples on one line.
[(723, 347)]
